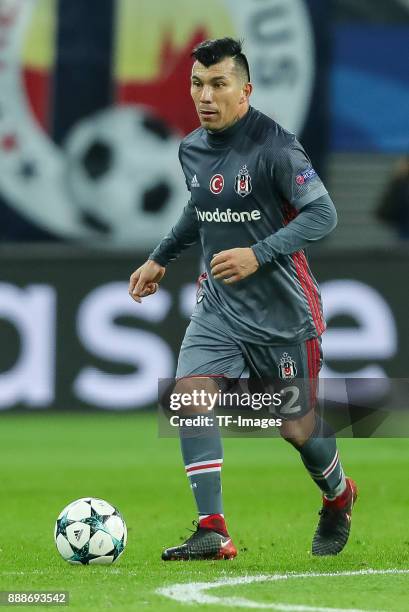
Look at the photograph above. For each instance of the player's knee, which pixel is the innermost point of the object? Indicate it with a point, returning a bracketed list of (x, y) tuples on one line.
[(292, 433), (297, 432), (295, 439), (196, 394)]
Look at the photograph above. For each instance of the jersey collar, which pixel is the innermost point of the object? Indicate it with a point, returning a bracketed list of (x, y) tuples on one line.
[(224, 138)]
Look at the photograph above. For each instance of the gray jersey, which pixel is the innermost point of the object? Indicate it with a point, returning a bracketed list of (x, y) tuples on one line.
[(253, 185)]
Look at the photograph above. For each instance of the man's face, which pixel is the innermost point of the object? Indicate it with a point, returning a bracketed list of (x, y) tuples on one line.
[(219, 94)]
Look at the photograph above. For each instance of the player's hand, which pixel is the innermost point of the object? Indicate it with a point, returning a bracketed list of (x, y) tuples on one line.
[(234, 265), (145, 280)]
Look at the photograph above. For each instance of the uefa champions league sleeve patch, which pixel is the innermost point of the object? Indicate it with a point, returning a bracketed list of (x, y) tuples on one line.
[(305, 176)]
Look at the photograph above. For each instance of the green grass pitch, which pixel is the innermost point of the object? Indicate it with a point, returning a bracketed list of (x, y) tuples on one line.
[(48, 460)]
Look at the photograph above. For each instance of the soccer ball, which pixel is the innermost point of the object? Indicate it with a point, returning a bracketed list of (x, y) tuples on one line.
[(123, 174), (89, 530)]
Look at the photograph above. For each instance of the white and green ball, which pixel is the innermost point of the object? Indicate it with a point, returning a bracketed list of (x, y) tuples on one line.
[(90, 531)]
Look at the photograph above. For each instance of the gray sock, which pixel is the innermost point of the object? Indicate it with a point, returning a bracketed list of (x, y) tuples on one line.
[(202, 452), (320, 457)]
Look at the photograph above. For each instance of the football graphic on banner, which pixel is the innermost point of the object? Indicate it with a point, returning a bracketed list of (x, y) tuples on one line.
[(125, 192)]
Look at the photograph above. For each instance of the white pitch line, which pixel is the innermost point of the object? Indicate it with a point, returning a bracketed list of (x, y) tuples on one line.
[(25, 573), (194, 592)]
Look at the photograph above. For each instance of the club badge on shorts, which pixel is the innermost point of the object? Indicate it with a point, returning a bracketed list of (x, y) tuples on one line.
[(287, 368), (242, 184)]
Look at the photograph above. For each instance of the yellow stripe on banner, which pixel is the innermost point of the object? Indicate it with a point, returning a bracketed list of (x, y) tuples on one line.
[(142, 25), (39, 44)]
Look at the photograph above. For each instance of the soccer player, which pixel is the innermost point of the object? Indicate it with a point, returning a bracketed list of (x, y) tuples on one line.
[(255, 203)]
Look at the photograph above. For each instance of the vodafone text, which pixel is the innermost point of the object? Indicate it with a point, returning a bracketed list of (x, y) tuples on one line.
[(228, 216)]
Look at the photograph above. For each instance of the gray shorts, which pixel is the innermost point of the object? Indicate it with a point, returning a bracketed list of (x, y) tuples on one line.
[(210, 349)]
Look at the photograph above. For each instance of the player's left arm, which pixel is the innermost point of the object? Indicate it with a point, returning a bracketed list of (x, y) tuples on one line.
[(234, 264), (300, 186), (305, 197), (313, 222)]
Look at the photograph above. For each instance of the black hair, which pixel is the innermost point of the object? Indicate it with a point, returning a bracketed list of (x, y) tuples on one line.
[(211, 52)]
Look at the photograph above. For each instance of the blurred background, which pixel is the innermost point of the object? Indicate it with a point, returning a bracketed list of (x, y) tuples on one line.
[(94, 100)]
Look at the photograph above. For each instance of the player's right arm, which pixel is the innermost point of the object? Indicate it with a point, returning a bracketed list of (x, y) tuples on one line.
[(145, 280), (182, 235)]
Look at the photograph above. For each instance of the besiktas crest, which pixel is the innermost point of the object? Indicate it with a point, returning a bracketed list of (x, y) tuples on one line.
[(242, 184), (287, 368)]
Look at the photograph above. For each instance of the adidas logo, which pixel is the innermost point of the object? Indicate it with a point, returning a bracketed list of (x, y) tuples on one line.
[(78, 534), (195, 182)]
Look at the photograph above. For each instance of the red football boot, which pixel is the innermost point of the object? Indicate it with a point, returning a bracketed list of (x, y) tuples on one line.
[(335, 522), (210, 541)]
